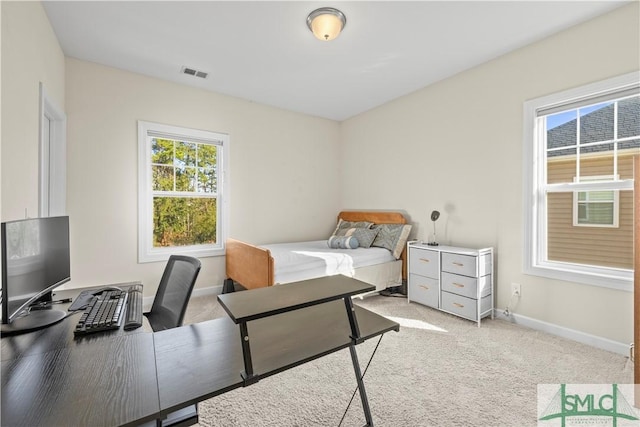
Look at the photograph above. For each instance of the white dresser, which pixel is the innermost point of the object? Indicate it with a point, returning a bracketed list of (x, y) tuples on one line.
[(456, 280)]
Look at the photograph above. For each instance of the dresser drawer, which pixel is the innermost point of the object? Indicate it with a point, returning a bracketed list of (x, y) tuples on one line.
[(468, 265), (423, 290), (466, 286), (465, 307), (424, 262), (459, 264)]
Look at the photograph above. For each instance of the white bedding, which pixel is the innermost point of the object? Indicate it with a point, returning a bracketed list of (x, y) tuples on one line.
[(308, 260)]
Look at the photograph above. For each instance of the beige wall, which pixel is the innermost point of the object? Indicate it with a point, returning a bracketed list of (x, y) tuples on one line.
[(456, 146), (284, 166), (284, 169), (30, 55)]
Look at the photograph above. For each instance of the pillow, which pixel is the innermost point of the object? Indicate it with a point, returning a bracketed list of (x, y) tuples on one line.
[(365, 236), (392, 237), (354, 224), (342, 242), (350, 224)]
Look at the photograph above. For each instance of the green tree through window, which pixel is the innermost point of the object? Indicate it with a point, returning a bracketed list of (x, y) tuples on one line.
[(184, 192)]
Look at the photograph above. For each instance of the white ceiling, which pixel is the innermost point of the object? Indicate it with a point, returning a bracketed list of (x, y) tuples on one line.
[(263, 51)]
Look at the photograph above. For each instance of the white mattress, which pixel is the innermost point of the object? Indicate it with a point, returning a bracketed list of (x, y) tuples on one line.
[(308, 260)]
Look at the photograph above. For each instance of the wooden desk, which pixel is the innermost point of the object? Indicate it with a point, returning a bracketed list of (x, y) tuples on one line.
[(49, 378), (86, 385)]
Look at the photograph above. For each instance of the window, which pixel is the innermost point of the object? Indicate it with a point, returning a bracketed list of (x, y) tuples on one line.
[(182, 191), (578, 182), (596, 208)]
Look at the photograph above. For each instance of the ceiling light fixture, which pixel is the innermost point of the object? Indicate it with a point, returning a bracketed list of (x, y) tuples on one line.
[(326, 23)]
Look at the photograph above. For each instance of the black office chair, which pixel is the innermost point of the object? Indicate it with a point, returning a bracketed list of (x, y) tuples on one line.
[(167, 311), (174, 291)]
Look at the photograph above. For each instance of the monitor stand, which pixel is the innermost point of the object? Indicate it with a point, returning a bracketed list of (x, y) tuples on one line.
[(35, 320)]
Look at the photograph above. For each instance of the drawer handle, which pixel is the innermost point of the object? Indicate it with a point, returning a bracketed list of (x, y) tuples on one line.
[(424, 260), (459, 264), (458, 305), (424, 287), (458, 285)]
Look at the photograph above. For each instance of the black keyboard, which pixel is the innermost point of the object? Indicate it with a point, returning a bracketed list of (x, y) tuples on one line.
[(133, 319), (104, 312)]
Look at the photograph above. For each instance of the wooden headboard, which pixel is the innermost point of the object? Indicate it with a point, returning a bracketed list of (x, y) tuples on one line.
[(379, 218), (375, 217)]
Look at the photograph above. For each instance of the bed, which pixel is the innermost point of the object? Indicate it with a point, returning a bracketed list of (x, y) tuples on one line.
[(254, 266)]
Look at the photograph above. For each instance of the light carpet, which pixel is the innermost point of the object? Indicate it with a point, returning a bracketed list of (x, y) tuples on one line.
[(439, 370)]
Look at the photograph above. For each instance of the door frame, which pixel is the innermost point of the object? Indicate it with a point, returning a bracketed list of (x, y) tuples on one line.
[(636, 279), (52, 183)]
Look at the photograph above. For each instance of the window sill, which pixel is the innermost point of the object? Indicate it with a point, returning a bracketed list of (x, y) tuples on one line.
[(618, 279), (163, 254)]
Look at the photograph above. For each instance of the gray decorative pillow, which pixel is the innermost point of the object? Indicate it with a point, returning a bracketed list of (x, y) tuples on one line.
[(365, 236), (392, 237), (342, 242), (350, 224)]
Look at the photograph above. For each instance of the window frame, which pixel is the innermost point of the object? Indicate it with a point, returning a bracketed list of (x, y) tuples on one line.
[(535, 260), (148, 130)]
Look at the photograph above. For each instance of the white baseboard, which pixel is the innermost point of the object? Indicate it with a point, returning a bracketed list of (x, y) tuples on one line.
[(561, 331), (212, 290)]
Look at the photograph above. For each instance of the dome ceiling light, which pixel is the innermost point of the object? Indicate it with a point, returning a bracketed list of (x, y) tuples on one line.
[(326, 23)]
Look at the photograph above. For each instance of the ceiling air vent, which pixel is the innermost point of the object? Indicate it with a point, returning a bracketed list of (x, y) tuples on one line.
[(196, 73)]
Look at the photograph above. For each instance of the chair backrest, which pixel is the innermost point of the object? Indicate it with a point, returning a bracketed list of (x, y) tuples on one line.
[(174, 291)]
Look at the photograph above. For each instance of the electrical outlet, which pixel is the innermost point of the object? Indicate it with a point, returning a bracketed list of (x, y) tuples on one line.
[(515, 290)]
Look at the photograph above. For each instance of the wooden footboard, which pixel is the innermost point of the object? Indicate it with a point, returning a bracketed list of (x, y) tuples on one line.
[(249, 265)]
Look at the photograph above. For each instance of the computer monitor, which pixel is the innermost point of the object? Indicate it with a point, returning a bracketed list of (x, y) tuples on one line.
[(35, 260)]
